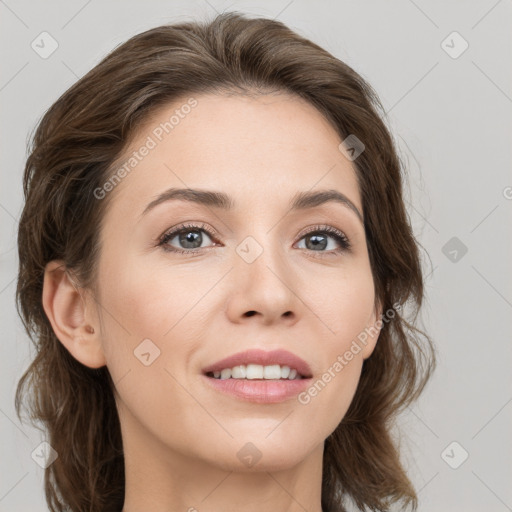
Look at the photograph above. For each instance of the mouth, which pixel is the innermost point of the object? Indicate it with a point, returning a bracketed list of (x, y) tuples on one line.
[(259, 376), (260, 385), (257, 364)]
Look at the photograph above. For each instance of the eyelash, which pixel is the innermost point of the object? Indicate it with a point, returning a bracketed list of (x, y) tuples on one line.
[(341, 238)]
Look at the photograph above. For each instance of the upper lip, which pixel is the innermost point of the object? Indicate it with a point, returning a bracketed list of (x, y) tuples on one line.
[(264, 358)]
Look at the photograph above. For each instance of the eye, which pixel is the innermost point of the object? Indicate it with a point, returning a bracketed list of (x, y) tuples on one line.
[(317, 239), (188, 237)]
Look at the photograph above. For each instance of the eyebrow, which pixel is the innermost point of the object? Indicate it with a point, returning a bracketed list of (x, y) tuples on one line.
[(300, 201)]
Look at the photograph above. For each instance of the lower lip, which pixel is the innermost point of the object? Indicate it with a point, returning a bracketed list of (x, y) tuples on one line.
[(260, 391)]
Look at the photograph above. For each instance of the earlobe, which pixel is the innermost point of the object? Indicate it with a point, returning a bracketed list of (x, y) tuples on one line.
[(67, 312)]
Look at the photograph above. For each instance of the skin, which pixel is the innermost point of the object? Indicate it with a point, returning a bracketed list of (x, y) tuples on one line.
[(180, 437)]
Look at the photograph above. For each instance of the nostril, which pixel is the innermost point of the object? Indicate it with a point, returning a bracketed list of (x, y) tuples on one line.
[(250, 313)]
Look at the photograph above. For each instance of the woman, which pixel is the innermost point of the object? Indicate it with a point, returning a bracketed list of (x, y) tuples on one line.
[(214, 259)]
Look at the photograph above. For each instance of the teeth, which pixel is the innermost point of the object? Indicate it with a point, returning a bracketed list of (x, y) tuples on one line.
[(238, 372), (226, 373), (257, 371)]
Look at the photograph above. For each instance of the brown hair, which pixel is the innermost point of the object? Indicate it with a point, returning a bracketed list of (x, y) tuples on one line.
[(72, 154)]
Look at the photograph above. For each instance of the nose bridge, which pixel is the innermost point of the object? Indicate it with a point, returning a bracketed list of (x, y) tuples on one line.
[(263, 254)]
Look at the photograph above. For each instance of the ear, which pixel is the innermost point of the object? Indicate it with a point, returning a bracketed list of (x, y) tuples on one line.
[(373, 328), (69, 313)]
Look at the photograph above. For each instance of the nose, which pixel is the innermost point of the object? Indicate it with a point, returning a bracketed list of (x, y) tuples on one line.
[(263, 289)]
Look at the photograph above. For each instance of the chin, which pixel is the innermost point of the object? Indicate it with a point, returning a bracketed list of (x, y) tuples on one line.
[(254, 454), (268, 463)]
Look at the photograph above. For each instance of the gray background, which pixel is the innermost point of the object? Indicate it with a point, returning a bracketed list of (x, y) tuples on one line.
[(452, 121)]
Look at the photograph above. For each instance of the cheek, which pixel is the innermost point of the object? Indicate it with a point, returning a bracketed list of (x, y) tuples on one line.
[(157, 310), (343, 303), (345, 307), (153, 300), (147, 329)]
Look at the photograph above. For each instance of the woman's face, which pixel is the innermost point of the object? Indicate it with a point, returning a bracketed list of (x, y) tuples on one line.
[(252, 276)]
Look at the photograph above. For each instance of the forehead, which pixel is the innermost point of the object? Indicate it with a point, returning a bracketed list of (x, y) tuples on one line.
[(257, 148)]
